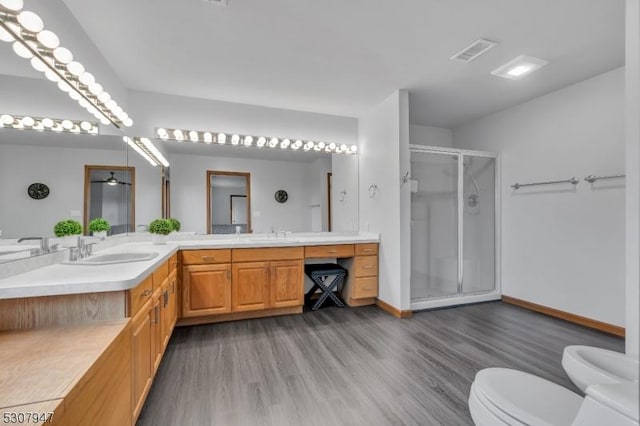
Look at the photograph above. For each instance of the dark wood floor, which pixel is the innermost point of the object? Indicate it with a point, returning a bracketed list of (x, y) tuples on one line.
[(352, 366)]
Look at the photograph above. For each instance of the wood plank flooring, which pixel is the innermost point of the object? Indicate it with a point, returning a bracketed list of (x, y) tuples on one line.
[(353, 366)]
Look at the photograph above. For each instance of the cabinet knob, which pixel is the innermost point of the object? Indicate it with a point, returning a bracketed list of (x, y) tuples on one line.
[(208, 258), (367, 249)]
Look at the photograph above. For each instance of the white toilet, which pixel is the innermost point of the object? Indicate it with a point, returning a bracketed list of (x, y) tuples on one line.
[(501, 396), (587, 365)]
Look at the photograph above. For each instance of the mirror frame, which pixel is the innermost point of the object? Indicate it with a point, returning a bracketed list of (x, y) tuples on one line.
[(247, 176), (87, 187)]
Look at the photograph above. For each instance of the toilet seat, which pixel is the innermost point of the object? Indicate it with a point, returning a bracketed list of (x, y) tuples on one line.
[(501, 396)]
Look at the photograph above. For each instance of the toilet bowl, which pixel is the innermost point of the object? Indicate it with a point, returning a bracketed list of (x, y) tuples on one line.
[(588, 365), (501, 396)]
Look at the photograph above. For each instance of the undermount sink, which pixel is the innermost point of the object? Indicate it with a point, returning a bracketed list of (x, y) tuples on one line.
[(110, 258)]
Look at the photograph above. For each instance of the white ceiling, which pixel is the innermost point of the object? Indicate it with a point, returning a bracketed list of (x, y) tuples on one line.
[(341, 57)]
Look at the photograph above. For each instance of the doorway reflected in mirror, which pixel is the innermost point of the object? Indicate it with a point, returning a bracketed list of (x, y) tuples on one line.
[(109, 193), (228, 202)]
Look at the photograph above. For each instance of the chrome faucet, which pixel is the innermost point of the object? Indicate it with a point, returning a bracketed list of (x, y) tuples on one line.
[(44, 244), (85, 248)]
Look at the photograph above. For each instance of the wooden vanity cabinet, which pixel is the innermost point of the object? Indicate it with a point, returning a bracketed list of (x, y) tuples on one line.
[(250, 288), (206, 282), (142, 357), (361, 287)]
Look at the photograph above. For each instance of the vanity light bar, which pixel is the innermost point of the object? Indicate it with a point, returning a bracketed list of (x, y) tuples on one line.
[(147, 150), (49, 124), (219, 138), (31, 41)]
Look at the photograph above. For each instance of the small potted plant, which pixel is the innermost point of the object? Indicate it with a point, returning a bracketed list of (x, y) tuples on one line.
[(68, 231), (175, 223), (159, 229), (99, 227)]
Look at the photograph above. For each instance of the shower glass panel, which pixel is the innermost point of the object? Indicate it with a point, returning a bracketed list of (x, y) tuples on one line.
[(434, 225), (479, 255)]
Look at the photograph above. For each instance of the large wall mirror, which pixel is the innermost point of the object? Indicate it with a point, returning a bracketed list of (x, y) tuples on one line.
[(228, 202), (109, 194)]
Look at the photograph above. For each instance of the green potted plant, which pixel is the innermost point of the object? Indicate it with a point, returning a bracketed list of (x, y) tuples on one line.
[(175, 223), (159, 229), (68, 230), (99, 227)]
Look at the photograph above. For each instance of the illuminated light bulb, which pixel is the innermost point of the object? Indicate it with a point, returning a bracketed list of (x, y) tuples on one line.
[(248, 140), (285, 144), (67, 124), (47, 122), (87, 78), (354, 149), (94, 130), (222, 138), (326, 149), (57, 127), (75, 129), (38, 126), (235, 140), (298, 143), (332, 146), (162, 133), (307, 148), (28, 121), (86, 126), (63, 55), (6, 119), (52, 76), (30, 21), (83, 102), (193, 135), (18, 124), (48, 39), (111, 104), (21, 50), (96, 88), (38, 65), (128, 122), (317, 148), (117, 110), (105, 121), (6, 35), (208, 137), (295, 147), (74, 95), (273, 142), (321, 145), (104, 97), (75, 68), (343, 147), (64, 86), (261, 141), (178, 135), (14, 5)]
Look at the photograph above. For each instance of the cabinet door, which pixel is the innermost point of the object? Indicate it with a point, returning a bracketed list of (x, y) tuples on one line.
[(173, 300), (141, 357), (250, 290), (206, 290), (166, 313), (286, 283), (156, 332)]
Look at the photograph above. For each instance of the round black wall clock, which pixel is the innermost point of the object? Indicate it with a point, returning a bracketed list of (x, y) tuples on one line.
[(38, 191), (281, 196)]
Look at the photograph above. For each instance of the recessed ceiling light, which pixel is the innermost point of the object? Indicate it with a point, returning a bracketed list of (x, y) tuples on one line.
[(519, 67)]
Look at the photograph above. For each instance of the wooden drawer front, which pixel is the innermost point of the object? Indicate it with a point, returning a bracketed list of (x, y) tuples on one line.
[(364, 287), (365, 266), (173, 263), (272, 253), (342, 250), (139, 295), (366, 249), (160, 275), (202, 257)]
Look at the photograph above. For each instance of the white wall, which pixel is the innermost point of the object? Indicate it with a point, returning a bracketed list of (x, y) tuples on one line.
[(562, 247), (632, 79), (318, 195), (344, 179), (430, 136), (62, 169), (188, 191), (384, 150)]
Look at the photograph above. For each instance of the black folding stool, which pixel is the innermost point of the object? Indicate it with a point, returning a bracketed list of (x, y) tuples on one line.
[(326, 277)]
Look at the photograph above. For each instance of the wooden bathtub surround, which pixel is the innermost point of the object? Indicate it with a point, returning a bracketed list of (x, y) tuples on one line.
[(86, 380), (567, 316)]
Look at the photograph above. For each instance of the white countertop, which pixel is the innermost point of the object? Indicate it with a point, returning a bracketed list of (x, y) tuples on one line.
[(61, 279)]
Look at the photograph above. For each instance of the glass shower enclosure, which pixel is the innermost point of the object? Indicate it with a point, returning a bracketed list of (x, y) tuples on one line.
[(454, 217)]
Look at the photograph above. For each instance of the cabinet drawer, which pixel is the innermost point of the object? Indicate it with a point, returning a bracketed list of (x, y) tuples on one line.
[(173, 263), (366, 249), (160, 275), (365, 266), (342, 250), (202, 257), (139, 295), (262, 254), (364, 287)]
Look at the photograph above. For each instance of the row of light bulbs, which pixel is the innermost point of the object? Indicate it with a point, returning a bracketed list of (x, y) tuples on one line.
[(49, 124), (147, 150), (42, 47), (194, 136)]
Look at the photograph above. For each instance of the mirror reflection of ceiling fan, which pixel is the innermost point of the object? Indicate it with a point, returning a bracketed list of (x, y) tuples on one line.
[(112, 181)]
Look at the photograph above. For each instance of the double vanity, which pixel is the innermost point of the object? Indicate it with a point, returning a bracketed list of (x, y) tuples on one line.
[(103, 324)]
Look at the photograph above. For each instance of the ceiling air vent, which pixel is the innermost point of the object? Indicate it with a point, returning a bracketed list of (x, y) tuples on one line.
[(218, 2), (474, 50)]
